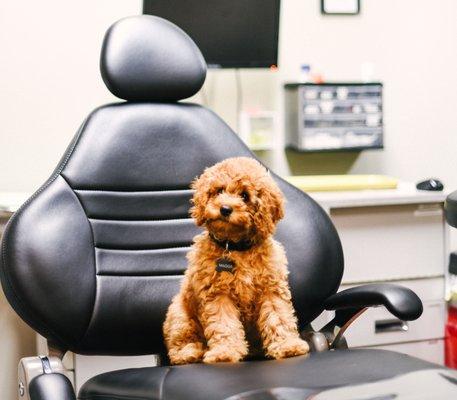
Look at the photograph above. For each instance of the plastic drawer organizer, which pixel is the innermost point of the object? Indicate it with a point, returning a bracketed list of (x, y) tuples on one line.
[(334, 116)]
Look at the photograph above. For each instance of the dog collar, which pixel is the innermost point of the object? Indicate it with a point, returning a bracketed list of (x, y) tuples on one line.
[(229, 245)]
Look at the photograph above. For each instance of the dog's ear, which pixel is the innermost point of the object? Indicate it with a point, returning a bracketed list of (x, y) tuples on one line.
[(199, 200), (276, 202), (270, 208)]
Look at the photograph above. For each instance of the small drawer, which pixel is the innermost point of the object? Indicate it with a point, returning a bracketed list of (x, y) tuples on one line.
[(430, 291), (377, 326), (391, 242), (429, 350)]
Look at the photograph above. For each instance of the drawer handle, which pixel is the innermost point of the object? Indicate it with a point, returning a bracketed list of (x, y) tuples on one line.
[(424, 210), (390, 325)]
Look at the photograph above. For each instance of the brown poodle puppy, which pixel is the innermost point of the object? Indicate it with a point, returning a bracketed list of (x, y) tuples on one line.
[(235, 297)]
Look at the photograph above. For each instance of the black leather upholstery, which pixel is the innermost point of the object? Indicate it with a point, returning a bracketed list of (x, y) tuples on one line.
[(51, 387), (217, 382), (402, 302), (93, 259), (450, 208), (147, 58)]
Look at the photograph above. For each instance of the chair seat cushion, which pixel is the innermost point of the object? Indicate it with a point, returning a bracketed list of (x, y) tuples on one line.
[(220, 381)]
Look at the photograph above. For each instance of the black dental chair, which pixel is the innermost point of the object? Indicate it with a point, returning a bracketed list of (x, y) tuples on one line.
[(93, 258)]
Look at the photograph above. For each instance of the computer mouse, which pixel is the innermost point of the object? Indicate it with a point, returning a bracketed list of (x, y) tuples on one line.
[(430, 184)]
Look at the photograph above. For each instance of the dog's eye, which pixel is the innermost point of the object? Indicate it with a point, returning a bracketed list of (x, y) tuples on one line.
[(245, 196), (220, 190)]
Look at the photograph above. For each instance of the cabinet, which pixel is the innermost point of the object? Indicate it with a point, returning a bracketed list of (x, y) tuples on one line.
[(398, 236), (333, 116)]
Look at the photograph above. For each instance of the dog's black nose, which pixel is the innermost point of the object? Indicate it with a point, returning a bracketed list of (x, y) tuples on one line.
[(226, 210)]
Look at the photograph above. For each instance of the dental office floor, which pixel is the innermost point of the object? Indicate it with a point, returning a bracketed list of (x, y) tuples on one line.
[(49, 81)]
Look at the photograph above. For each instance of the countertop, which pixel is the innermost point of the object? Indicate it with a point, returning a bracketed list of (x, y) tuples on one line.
[(405, 193)]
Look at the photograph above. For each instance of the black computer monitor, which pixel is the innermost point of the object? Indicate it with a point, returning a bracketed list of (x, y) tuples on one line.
[(230, 33)]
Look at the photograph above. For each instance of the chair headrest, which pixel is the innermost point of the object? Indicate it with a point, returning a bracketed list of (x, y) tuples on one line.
[(147, 58)]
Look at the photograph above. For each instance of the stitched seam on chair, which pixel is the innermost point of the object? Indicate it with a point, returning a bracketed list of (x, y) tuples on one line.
[(83, 336), (137, 218), (141, 220), (3, 264), (149, 249), (183, 189), (141, 275)]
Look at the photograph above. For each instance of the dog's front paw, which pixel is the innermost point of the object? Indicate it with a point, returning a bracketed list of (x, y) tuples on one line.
[(190, 353), (224, 354), (289, 347)]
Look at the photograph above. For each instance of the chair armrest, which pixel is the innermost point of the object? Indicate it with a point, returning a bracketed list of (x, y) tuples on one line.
[(349, 304), (402, 302), (44, 378), (450, 209), (51, 386)]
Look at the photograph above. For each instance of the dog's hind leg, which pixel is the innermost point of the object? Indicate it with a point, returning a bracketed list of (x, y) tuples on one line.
[(182, 334)]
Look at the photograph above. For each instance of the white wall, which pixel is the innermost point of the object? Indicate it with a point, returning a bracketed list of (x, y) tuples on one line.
[(49, 81), (413, 44)]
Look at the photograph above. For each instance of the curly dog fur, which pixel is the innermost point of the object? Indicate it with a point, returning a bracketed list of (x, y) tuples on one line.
[(223, 316)]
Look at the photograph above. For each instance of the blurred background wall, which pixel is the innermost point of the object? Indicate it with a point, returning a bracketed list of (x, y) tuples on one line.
[(49, 81)]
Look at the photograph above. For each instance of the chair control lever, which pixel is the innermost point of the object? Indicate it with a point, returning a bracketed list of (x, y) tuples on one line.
[(46, 364)]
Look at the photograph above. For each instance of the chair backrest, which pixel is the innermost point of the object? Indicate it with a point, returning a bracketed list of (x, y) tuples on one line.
[(93, 258)]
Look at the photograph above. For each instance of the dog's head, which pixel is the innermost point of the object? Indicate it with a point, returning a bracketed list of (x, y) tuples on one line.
[(236, 200)]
